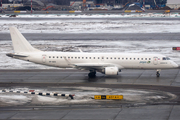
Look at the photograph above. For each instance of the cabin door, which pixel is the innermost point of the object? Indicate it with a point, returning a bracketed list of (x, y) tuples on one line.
[(155, 60), (44, 58)]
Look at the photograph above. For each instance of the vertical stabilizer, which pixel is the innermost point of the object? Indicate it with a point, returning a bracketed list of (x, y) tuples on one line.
[(20, 44)]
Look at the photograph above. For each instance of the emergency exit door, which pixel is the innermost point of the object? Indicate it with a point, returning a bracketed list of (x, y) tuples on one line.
[(44, 58)]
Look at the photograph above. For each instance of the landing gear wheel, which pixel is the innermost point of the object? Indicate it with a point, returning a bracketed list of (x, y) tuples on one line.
[(157, 74), (92, 74)]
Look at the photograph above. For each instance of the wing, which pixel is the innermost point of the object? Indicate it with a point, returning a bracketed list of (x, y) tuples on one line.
[(94, 66)]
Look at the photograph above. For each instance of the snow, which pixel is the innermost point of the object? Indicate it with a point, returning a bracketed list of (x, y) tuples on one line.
[(118, 15), (14, 99), (82, 95), (92, 26)]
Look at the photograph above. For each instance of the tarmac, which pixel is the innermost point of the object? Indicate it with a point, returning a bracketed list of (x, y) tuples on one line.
[(94, 36), (146, 80)]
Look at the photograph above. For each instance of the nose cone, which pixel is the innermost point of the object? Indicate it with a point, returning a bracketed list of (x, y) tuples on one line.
[(174, 65)]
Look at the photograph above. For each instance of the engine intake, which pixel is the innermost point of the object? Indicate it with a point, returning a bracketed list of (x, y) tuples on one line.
[(110, 70)]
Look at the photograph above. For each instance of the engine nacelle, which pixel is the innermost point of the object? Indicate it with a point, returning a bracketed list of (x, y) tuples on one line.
[(110, 70)]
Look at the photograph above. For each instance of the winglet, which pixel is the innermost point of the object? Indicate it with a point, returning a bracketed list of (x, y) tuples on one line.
[(80, 50)]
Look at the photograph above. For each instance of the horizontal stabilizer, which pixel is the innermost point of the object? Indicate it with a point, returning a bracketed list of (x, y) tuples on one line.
[(16, 55)]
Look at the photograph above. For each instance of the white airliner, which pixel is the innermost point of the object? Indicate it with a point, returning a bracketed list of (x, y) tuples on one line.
[(106, 63)]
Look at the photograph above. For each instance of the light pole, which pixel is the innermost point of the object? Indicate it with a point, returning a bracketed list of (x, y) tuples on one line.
[(143, 5), (31, 6), (1, 6)]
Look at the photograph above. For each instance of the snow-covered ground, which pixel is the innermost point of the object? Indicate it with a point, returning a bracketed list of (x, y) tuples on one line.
[(92, 26), (103, 15), (83, 95)]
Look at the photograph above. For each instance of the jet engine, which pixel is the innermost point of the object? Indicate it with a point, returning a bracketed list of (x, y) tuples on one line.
[(110, 70)]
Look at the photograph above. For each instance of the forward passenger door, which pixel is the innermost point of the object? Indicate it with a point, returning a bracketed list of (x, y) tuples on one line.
[(155, 60)]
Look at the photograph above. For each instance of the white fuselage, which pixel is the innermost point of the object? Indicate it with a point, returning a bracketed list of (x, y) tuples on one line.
[(106, 63), (120, 60)]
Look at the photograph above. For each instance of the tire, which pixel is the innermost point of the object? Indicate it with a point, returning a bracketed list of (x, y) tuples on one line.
[(92, 75)]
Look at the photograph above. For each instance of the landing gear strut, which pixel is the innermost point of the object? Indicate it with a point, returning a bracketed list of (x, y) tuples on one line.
[(92, 74), (158, 73)]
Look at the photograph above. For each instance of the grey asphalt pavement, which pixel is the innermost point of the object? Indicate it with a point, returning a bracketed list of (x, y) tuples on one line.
[(128, 79), (96, 36)]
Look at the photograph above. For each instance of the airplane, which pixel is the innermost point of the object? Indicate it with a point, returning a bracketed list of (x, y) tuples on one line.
[(106, 63)]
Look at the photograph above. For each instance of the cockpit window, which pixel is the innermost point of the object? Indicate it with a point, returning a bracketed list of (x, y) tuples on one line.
[(165, 58)]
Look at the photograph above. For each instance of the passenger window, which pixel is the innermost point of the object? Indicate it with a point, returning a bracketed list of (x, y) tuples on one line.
[(141, 58), (89, 57), (86, 57), (61, 56), (134, 58), (82, 57), (94, 57), (145, 58), (123, 58), (119, 58), (130, 58), (111, 57), (49, 56), (102, 57), (149, 58), (57, 56), (98, 57), (71, 57), (75, 57), (114, 58), (138, 58), (107, 58), (78, 57), (126, 58), (53, 56)]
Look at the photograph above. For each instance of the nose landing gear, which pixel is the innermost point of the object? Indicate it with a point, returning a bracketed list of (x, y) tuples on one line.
[(158, 73)]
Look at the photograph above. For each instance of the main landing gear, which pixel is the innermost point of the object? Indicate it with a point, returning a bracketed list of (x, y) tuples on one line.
[(92, 74), (158, 73)]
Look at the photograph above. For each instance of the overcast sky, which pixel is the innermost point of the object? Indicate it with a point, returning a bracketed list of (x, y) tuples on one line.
[(173, 1)]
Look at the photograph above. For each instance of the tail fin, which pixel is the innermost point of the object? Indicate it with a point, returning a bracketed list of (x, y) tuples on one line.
[(20, 44)]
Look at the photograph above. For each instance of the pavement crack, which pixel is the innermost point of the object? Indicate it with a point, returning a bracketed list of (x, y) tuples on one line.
[(11, 116), (175, 77), (64, 78), (118, 113), (170, 112), (138, 77), (65, 114)]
